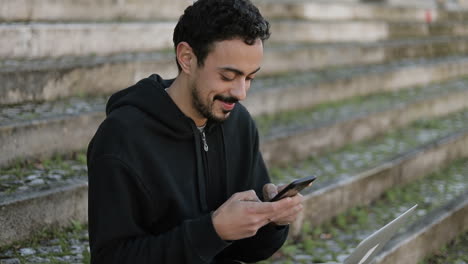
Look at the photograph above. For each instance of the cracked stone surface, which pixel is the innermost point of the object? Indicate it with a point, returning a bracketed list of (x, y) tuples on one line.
[(34, 111), (454, 252), (306, 78), (284, 123), (42, 175), (359, 156), (62, 246)]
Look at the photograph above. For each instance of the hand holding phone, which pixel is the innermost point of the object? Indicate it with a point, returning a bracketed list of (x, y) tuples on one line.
[(294, 188)]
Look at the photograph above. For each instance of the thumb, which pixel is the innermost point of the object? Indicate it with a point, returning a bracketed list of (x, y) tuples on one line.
[(269, 191), (280, 188)]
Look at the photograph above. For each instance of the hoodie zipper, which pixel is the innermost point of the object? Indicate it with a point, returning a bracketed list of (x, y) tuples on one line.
[(202, 167), (205, 145), (206, 171)]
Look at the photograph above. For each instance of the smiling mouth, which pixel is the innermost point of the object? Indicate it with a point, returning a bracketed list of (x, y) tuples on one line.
[(227, 103), (227, 106)]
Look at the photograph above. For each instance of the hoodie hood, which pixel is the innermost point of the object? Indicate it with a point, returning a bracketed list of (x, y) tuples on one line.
[(149, 96)]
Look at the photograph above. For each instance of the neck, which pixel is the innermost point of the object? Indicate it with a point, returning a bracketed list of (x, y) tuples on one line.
[(180, 93)]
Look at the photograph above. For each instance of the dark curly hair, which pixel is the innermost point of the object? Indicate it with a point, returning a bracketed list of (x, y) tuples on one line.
[(208, 21)]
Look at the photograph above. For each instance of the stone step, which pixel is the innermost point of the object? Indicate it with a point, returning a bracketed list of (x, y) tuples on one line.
[(434, 143), (409, 3), (101, 10), (49, 40), (456, 15), (325, 127), (48, 10), (297, 57), (343, 184), (61, 245), (453, 252), (293, 91), (49, 79), (297, 31), (368, 153), (360, 172), (53, 207), (442, 199), (428, 234), (41, 129), (338, 10)]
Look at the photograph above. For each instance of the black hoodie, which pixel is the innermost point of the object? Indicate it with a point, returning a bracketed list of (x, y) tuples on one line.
[(152, 186)]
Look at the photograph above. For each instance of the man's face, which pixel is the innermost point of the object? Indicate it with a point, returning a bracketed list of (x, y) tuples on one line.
[(225, 77)]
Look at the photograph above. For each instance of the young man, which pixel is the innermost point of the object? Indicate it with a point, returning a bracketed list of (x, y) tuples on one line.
[(175, 172)]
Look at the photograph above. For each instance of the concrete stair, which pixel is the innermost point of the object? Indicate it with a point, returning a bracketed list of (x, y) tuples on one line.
[(53, 78), (320, 130), (39, 130), (363, 31), (370, 96), (105, 10), (441, 217), (453, 252), (338, 10), (439, 142), (47, 40), (87, 10), (306, 89)]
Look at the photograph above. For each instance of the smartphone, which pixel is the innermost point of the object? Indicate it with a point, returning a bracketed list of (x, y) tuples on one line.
[(294, 187)]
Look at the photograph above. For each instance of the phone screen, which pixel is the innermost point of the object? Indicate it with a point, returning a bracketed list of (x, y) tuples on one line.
[(294, 188)]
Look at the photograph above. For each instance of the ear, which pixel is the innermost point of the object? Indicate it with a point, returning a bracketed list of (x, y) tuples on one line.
[(186, 58)]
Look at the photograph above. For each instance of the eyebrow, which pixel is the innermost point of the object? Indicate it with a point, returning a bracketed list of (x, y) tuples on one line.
[(236, 71)]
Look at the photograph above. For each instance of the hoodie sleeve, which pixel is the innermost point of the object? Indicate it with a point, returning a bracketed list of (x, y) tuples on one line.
[(269, 238), (118, 210), (263, 245)]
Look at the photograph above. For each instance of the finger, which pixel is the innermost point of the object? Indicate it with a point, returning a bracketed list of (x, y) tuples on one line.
[(265, 208), (287, 203), (269, 210), (289, 210), (249, 195), (283, 204), (285, 220), (288, 216), (273, 209), (293, 200), (297, 199), (269, 191)]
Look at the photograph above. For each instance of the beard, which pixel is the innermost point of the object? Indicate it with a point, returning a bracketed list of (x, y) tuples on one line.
[(205, 109)]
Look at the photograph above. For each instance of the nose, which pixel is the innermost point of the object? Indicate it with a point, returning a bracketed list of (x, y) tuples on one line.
[(240, 88)]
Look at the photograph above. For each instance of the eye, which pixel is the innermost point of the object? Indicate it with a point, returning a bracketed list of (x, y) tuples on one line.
[(250, 78), (225, 78)]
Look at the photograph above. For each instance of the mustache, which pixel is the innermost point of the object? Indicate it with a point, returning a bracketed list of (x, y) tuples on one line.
[(227, 99)]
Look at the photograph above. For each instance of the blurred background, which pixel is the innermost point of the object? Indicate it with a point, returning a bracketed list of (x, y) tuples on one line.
[(369, 96)]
